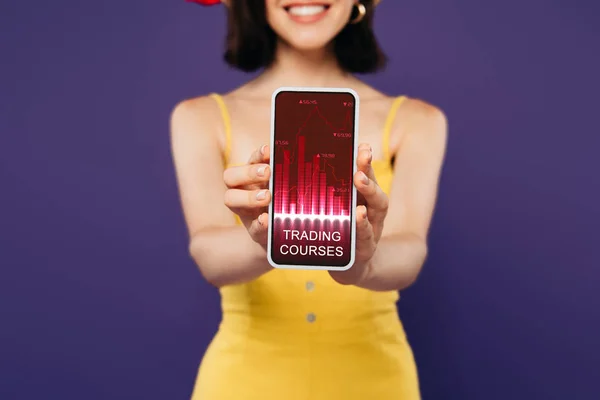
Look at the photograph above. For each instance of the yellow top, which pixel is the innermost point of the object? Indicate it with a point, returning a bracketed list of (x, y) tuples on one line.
[(298, 334)]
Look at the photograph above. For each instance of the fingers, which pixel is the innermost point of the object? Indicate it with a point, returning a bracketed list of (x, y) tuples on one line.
[(247, 175), (247, 200), (365, 237), (258, 230), (375, 198), (363, 160), (369, 192), (256, 173), (261, 155)]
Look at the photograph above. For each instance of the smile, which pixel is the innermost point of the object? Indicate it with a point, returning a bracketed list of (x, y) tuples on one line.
[(306, 13)]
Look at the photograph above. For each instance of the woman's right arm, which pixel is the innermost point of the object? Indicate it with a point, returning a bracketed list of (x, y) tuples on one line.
[(224, 252)]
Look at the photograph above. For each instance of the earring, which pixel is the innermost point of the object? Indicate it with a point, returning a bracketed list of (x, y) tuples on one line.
[(361, 10)]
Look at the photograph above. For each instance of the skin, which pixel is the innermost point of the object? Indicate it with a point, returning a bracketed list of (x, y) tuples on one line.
[(391, 230)]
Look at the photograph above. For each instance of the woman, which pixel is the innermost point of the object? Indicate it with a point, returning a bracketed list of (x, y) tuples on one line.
[(291, 334)]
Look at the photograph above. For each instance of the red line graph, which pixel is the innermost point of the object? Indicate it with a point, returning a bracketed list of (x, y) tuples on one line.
[(343, 128), (316, 190)]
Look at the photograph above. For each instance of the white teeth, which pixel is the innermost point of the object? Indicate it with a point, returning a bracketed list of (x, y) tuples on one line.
[(306, 10)]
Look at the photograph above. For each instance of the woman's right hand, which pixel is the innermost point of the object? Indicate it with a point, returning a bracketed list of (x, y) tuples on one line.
[(248, 194)]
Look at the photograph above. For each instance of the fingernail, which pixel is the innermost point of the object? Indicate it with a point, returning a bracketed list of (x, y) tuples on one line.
[(364, 178), (261, 170), (260, 221), (263, 148), (261, 195), (370, 155)]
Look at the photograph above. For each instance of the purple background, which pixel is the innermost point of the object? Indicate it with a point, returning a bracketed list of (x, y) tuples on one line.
[(99, 297)]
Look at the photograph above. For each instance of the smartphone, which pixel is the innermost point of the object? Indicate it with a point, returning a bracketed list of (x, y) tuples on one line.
[(314, 139)]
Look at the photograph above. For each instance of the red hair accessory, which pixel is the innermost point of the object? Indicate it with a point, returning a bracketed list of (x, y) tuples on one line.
[(205, 2)]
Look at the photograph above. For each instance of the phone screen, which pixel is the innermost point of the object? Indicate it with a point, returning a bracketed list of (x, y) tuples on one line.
[(313, 163)]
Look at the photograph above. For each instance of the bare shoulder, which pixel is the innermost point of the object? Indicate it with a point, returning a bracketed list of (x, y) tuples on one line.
[(195, 115), (420, 114), (419, 124)]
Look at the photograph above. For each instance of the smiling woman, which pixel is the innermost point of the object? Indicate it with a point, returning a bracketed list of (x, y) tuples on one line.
[(306, 334), (256, 31)]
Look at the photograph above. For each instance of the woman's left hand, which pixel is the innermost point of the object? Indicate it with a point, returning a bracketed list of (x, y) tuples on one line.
[(371, 210)]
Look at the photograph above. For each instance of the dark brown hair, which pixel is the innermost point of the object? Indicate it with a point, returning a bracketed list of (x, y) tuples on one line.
[(251, 42)]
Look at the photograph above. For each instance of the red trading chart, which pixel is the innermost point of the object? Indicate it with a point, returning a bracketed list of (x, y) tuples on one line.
[(313, 160)]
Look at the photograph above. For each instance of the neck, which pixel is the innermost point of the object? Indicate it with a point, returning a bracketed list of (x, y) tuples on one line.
[(292, 67)]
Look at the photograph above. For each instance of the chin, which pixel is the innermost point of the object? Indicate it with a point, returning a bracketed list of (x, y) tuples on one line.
[(309, 43)]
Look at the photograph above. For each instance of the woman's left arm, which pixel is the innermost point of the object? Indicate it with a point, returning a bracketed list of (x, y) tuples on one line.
[(398, 247)]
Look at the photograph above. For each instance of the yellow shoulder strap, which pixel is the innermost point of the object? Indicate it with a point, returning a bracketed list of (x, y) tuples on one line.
[(226, 123), (389, 123)]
